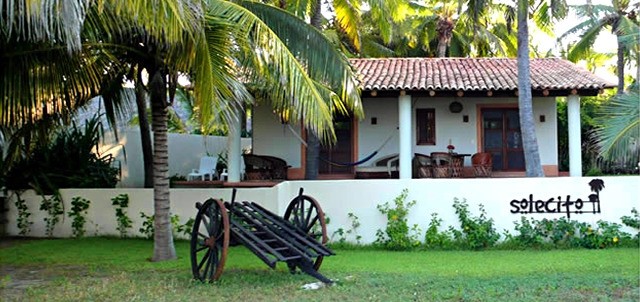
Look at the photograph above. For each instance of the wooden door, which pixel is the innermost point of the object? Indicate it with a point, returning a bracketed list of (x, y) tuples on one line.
[(502, 138), (341, 151)]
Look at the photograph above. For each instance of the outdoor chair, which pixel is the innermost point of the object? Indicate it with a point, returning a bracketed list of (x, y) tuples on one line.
[(264, 167), (422, 166), (225, 174), (482, 163), (441, 164), (386, 166), (207, 168), (457, 166)]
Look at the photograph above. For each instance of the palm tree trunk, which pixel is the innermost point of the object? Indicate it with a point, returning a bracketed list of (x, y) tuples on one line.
[(527, 125), (442, 48), (163, 248), (620, 66), (312, 162), (145, 134)]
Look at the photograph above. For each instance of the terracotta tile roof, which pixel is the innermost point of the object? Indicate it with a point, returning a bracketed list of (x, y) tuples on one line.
[(471, 74)]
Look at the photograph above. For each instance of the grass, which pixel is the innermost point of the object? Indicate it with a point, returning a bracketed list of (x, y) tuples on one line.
[(105, 269)]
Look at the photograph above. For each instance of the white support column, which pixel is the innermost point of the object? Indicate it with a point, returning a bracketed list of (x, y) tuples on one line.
[(404, 122), (234, 147), (575, 140)]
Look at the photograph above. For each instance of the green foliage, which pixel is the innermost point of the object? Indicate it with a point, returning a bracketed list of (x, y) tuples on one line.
[(529, 232), (352, 231), (147, 228), (121, 202), (68, 161), (147, 225), (176, 177), (564, 233), (632, 221), (477, 232), (397, 235), (588, 108), (23, 215), (434, 238), (53, 206), (607, 234), (79, 207)]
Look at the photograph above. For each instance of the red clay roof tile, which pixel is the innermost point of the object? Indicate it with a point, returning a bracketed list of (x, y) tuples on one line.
[(471, 74)]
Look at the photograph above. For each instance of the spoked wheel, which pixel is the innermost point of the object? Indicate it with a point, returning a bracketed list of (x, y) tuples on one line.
[(305, 213), (209, 241)]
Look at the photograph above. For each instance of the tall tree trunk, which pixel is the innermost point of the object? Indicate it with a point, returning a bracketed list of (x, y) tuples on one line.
[(145, 133), (442, 48), (620, 66), (312, 162), (527, 124), (163, 248)]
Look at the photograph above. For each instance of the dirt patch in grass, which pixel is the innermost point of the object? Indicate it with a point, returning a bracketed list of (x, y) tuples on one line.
[(6, 242), (16, 280)]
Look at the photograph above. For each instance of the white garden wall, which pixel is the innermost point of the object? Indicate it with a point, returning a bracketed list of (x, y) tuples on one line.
[(185, 151), (360, 197)]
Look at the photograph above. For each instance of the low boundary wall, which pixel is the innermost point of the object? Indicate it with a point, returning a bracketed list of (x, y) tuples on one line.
[(505, 200)]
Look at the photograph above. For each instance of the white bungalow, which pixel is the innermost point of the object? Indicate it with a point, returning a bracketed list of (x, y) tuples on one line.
[(422, 105)]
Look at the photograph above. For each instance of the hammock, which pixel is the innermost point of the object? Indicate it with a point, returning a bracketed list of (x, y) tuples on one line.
[(351, 164)]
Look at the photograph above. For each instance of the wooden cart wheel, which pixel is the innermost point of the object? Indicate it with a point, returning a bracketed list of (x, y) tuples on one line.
[(305, 213), (209, 241)]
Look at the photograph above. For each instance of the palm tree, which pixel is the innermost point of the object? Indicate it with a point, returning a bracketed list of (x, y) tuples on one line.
[(620, 17), (544, 14), (216, 48), (619, 134)]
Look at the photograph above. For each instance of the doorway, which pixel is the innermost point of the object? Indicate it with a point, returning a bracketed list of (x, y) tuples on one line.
[(502, 138), (341, 151)]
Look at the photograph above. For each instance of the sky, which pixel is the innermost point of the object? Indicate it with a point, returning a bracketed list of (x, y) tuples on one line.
[(605, 43)]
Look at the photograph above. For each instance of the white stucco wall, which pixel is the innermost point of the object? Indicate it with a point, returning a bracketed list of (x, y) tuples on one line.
[(449, 126), (185, 151), (271, 137), (360, 197)]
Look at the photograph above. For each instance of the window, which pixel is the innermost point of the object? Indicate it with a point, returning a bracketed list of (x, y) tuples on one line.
[(426, 126)]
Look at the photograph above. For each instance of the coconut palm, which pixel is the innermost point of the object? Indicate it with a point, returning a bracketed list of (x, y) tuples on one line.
[(545, 12), (620, 17), (619, 134), (222, 44)]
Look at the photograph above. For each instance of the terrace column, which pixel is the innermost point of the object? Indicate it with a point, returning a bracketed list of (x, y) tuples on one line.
[(234, 147), (575, 141), (404, 123)]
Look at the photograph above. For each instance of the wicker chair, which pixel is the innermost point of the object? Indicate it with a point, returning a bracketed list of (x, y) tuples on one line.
[(422, 166), (441, 164), (482, 164), (264, 167)]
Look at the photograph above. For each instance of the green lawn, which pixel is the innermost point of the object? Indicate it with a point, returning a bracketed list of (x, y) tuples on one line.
[(102, 269)]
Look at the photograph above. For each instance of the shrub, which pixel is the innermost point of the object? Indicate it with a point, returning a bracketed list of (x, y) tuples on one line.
[(24, 224), (633, 221), (397, 233), (53, 207), (605, 235), (476, 232), (79, 207), (353, 230), (434, 238), (147, 228), (121, 202), (68, 161)]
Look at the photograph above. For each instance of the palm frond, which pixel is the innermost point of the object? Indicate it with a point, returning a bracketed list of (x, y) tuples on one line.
[(348, 17), (619, 135), (271, 61), (320, 58), (585, 43)]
